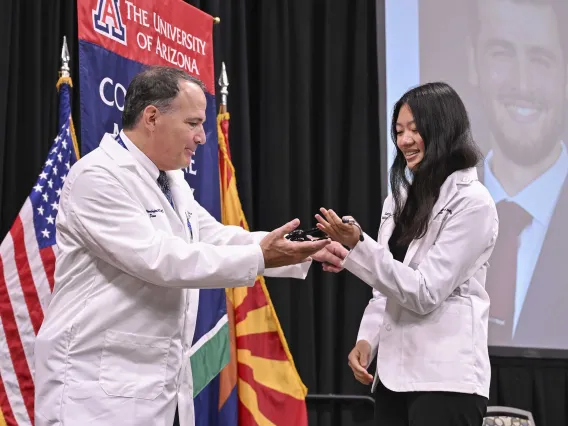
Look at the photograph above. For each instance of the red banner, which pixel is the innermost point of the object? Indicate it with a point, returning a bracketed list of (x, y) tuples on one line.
[(152, 32)]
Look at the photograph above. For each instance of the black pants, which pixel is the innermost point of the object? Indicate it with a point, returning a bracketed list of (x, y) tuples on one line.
[(428, 408)]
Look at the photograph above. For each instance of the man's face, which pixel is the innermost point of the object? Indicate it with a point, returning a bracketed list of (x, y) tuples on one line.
[(520, 68), (180, 130)]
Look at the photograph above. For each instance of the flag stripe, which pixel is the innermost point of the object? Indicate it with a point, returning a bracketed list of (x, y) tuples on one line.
[(228, 376), (264, 345), (207, 336), (12, 336), (277, 375), (245, 416), (7, 373), (240, 294), (48, 259), (249, 398), (2, 419), (15, 293), (269, 401), (253, 300), (258, 321), (210, 358), (37, 267), (24, 272)]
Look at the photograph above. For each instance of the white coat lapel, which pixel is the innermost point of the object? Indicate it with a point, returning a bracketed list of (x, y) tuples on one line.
[(447, 192), (386, 226), (183, 201), (125, 159), (386, 229)]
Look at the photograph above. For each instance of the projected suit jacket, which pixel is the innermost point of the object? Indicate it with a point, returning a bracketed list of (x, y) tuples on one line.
[(542, 290)]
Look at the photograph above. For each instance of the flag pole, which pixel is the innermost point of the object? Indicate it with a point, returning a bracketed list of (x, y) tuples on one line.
[(65, 78)]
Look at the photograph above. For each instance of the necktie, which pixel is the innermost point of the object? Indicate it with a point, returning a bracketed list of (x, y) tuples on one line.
[(502, 274), (164, 185)]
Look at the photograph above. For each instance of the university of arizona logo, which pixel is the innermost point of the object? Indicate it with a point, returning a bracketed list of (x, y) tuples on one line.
[(108, 22)]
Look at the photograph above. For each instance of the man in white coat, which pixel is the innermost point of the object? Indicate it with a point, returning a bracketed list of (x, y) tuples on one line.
[(134, 248)]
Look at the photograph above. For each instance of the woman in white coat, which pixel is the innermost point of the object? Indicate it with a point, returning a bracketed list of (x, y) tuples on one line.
[(427, 320)]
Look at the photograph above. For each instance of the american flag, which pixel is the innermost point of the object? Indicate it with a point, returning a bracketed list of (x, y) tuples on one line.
[(27, 262)]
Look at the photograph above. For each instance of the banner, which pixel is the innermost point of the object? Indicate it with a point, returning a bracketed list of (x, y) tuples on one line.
[(117, 38)]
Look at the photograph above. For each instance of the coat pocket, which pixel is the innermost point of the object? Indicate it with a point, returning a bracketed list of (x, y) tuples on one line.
[(133, 365), (443, 336)]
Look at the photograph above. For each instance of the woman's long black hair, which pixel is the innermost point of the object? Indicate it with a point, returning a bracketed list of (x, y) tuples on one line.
[(442, 121)]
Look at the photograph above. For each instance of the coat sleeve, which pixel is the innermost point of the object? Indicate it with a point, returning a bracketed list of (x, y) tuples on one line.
[(112, 225), (372, 321), (464, 244), (213, 232)]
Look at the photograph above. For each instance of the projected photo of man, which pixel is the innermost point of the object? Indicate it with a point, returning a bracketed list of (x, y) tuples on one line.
[(518, 58)]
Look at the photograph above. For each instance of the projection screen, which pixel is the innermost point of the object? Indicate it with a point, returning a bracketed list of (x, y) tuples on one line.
[(507, 59)]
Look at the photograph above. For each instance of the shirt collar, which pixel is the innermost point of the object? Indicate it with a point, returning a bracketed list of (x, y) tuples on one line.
[(539, 197), (139, 156)]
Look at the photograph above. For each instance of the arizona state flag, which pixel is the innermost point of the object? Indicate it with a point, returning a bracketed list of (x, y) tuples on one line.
[(270, 391)]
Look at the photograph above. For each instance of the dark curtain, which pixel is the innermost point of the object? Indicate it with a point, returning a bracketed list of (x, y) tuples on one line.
[(304, 134), (31, 35)]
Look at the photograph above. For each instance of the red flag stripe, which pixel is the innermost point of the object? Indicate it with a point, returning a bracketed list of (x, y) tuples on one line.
[(48, 260), (253, 300), (263, 345), (5, 406), (15, 346), (24, 272), (14, 401), (37, 266), (245, 416), (271, 402)]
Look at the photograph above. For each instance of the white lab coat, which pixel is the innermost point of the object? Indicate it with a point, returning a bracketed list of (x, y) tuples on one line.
[(428, 316), (114, 345)]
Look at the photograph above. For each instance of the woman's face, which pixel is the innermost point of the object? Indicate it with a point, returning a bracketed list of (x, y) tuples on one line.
[(408, 139)]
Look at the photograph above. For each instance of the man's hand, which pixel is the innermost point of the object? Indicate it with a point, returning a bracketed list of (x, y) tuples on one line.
[(278, 251), (331, 257), (359, 361)]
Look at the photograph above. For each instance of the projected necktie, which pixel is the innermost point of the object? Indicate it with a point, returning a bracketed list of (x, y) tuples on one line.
[(502, 274), (164, 185)]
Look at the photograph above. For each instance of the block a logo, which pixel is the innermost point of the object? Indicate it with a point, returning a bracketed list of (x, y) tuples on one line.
[(108, 22)]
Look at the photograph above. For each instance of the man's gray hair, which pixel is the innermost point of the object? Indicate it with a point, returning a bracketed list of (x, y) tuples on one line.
[(157, 86)]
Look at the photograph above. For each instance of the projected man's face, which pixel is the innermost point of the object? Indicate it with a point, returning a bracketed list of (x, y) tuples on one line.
[(521, 73)]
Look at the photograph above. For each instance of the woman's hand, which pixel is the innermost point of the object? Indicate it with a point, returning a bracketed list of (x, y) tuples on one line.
[(359, 362), (345, 233)]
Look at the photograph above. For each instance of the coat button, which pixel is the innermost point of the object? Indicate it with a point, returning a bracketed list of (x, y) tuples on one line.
[(388, 327)]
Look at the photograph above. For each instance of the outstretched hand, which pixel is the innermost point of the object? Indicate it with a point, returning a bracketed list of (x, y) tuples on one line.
[(344, 233), (331, 257), (278, 251)]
